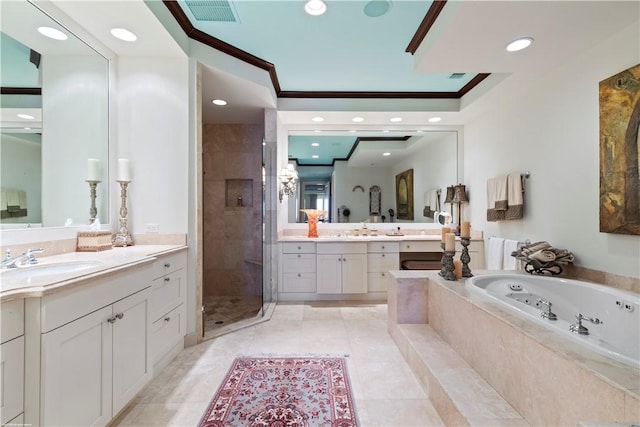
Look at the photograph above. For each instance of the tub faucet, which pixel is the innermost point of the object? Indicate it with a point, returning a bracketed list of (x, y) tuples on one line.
[(547, 314), (578, 328)]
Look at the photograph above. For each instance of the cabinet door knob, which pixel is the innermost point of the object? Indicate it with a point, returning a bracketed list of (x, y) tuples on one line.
[(299, 247), (167, 265), (382, 274), (299, 256), (112, 319), (408, 246), (167, 279), (119, 315), (167, 319), (382, 255), (299, 275), (382, 247)]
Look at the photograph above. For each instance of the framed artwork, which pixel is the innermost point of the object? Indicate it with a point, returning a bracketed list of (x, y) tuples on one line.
[(619, 146), (404, 195)]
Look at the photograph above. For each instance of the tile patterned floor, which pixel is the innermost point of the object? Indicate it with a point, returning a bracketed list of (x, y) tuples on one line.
[(221, 311), (385, 390)]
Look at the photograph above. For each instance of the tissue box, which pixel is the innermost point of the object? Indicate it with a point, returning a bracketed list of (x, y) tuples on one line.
[(94, 241)]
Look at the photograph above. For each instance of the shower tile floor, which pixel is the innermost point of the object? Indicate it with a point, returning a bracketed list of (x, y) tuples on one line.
[(221, 311)]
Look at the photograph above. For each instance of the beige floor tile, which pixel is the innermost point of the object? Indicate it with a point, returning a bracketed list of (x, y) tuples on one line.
[(385, 391)]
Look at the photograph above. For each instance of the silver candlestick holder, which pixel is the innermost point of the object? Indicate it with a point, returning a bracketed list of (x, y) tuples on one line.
[(122, 237), (447, 271), (93, 211), (464, 257)]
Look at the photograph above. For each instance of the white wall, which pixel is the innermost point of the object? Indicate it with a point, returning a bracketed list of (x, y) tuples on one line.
[(548, 125), (358, 201), (152, 122), (434, 166)]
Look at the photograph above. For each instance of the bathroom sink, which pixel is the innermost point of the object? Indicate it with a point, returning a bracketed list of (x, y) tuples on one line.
[(28, 272)]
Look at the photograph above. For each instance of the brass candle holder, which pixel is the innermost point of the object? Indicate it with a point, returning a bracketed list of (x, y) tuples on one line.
[(123, 237), (93, 211)]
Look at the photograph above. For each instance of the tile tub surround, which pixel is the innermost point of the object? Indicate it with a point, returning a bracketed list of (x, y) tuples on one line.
[(546, 378)]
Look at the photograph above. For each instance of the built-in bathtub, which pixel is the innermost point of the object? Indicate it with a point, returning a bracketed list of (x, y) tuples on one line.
[(616, 336), (546, 376)]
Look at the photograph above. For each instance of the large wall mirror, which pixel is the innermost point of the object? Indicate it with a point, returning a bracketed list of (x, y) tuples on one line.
[(357, 172), (54, 118)]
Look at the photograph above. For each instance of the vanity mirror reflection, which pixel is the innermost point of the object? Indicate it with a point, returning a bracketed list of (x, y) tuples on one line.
[(351, 161), (54, 117)]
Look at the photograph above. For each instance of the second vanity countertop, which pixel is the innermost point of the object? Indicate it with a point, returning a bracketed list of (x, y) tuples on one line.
[(17, 283), (368, 238)]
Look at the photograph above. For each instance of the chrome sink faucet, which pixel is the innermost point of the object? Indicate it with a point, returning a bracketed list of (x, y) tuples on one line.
[(578, 328), (28, 257)]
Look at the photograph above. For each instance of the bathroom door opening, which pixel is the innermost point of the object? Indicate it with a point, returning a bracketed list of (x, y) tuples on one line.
[(233, 223)]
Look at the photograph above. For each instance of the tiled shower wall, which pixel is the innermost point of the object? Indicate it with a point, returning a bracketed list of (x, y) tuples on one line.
[(232, 247)]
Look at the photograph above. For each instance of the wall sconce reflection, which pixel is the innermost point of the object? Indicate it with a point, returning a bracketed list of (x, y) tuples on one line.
[(288, 180)]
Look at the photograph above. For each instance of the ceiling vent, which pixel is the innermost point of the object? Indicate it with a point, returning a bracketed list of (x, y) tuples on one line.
[(212, 10), (457, 75)]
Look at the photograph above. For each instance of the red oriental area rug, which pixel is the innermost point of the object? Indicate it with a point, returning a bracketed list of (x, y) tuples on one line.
[(283, 391)]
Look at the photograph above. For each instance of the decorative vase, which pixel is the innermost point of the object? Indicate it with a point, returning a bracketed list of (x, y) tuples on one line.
[(313, 215)]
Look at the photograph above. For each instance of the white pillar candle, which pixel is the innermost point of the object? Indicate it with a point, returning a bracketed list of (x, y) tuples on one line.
[(93, 170), (123, 170), (450, 242)]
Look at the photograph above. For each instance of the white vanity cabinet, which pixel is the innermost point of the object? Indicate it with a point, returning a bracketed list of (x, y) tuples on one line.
[(299, 267), (12, 361), (381, 257), (342, 268), (94, 349), (168, 308)]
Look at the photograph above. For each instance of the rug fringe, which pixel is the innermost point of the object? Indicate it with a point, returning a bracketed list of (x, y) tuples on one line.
[(293, 355)]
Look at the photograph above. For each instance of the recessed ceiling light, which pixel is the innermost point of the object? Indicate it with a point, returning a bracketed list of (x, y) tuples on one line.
[(27, 128), (123, 34), (52, 33), (385, 131), (315, 144), (395, 119), (26, 116), (357, 119), (435, 119), (315, 7), (386, 154), (315, 156), (317, 119), (419, 131), (219, 102), (352, 131), (519, 44)]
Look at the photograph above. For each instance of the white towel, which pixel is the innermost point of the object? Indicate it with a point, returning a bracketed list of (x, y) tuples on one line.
[(22, 196), (495, 253), (13, 199), (509, 262), (3, 201), (514, 197)]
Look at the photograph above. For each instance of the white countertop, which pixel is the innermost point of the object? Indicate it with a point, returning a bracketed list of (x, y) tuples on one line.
[(368, 238), (106, 262)]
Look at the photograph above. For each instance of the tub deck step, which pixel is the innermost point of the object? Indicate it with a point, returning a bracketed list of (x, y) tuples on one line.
[(459, 394)]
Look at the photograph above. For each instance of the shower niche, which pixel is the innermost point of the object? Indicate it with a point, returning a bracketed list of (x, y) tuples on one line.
[(238, 193)]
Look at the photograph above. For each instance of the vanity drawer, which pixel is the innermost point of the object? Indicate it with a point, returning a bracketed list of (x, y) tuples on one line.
[(420, 246), (382, 262), (299, 282), (166, 293), (299, 248), (378, 282), (342, 248), (167, 331), (384, 247), (165, 264), (12, 320), (299, 263)]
